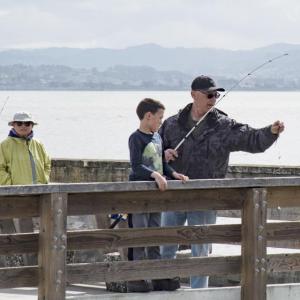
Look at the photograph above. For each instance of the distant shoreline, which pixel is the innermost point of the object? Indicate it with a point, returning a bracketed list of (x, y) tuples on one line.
[(137, 90)]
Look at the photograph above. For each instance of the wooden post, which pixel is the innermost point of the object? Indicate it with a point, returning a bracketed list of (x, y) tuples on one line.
[(254, 270), (52, 246)]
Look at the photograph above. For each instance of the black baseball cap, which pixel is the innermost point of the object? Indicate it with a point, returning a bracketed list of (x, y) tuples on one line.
[(205, 83)]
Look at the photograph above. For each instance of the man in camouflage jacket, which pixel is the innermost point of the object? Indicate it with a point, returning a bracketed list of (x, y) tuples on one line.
[(205, 153)]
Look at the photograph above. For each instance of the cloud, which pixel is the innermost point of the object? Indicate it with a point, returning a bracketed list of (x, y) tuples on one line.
[(171, 23)]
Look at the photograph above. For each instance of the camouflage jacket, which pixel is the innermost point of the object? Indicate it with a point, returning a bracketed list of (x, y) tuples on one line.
[(205, 153)]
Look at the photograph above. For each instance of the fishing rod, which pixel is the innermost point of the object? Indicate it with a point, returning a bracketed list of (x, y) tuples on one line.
[(121, 216), (230, 89), (7, 98), (117, 220)]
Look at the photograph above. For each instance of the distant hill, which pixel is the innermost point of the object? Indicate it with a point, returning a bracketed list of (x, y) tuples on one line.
[(55, 77), (148, 66)]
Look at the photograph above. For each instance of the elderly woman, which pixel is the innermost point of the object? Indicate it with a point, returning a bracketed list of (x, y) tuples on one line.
[(23, 159)]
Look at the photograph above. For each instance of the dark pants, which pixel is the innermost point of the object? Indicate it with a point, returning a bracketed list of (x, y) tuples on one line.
[(144, 220)]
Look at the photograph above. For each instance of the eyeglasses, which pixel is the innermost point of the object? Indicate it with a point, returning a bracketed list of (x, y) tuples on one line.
[(210, 95), (27, 124), (216, 95)]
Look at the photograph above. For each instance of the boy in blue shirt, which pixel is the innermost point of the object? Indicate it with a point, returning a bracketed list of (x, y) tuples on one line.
[(148, 163)]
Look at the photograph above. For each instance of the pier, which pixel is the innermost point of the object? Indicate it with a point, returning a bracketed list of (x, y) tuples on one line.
[(54, 278)]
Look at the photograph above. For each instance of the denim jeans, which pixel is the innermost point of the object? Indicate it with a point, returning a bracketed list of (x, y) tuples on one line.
[(192, 218), (144, 220)]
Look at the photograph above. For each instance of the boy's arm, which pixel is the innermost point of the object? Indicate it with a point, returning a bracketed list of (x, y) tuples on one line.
[(136, 147), (160, 180), (168, 170)]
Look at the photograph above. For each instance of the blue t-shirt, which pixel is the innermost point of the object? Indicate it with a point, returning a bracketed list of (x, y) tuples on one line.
[(146, 156)]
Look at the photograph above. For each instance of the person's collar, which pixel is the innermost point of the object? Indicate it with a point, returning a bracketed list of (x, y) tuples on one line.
[(13, 133), (183, 115)]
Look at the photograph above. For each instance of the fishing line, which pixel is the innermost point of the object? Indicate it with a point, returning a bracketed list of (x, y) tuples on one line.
[(3, 106), (228, 91)]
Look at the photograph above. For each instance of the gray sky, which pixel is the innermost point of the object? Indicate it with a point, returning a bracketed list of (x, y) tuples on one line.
[(228, 24)]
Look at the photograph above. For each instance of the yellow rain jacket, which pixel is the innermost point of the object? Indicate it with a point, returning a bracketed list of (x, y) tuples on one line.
[(23, 162)]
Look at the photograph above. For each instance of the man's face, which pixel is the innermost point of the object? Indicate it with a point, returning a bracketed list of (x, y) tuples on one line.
[(23, 129), (203, 100)]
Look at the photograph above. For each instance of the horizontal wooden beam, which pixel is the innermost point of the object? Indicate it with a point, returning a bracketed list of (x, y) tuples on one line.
[(116, 238), (121, 238), (117, 271), (19, 206), (283, 231), (147, 269), (148, 186), (283, 196), (283, 262), (111, 239), (18, 243), (133, 270), (181, 197), (18, 277), (155, 201)]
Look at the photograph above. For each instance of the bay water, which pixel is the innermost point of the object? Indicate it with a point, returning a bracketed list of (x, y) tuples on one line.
[(97, 124)]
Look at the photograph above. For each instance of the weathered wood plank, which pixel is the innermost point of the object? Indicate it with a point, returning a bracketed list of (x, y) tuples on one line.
[(107, 202), (19, 206), (283, 231), (118, 238), (283, 262), (27, 206), (18, 277), (18, 243), (147, 269), (154, 201), (89, 273), (133, 270), (148, 186), (294, 244), (253, 273), (284, 196), (52, 246), (111, 239)]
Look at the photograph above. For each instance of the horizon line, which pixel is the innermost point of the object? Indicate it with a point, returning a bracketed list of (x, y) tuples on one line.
[(143, 45)]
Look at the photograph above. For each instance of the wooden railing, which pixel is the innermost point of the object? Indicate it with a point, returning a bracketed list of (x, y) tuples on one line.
[(53, 203)]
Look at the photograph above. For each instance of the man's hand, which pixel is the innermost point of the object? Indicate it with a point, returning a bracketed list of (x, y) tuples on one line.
[(160, 181), (170, 154), (180, 176), (277, 127)]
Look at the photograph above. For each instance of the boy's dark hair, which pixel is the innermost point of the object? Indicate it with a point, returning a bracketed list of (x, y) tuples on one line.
[(148, 105)]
